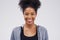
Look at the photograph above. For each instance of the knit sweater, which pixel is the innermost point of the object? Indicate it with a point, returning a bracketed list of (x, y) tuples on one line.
[(42, 33)]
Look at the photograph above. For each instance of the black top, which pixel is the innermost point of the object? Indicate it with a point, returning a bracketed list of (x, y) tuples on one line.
[(23, 37)]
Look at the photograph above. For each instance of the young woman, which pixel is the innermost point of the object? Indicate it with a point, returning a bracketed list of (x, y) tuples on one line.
[(29, 31)]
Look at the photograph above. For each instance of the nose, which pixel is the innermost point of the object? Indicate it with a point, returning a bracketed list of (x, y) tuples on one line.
[(29, 16)]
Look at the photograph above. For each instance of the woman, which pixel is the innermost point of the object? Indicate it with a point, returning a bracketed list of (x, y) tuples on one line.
[(29, 31)]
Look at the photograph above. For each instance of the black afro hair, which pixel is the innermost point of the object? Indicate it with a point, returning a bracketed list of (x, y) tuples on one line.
[(29, 3)]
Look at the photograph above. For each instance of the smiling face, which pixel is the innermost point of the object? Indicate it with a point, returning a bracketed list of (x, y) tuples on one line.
[(29, 15)]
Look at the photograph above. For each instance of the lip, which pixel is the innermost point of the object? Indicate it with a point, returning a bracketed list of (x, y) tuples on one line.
[(29, 20)]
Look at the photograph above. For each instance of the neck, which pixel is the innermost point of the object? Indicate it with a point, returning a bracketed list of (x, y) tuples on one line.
[(30, 26)]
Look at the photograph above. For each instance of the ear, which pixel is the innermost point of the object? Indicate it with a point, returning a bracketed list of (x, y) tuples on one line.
[(36, 13)]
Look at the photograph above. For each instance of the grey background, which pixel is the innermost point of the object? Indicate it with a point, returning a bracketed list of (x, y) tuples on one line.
[(48, 16)]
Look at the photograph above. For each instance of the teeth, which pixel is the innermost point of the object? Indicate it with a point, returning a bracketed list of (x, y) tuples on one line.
[(29, 20)]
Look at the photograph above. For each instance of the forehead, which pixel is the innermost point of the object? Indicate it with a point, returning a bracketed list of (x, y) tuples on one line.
[(29, 9)]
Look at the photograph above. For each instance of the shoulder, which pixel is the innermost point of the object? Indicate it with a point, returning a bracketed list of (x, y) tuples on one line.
[(16, 29), (41, 28), (43, 31), (15, 33)]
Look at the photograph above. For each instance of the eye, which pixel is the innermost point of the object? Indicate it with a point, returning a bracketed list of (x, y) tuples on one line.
[(26, 13), (32, 14)]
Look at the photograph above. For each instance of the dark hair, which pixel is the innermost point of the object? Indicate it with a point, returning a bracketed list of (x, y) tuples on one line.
[(29, 3)]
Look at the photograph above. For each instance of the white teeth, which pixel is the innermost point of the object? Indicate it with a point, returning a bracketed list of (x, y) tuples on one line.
[(29, 20)]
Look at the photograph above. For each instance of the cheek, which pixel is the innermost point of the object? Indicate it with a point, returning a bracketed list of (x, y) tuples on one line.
[(34, 17), (26, 17)]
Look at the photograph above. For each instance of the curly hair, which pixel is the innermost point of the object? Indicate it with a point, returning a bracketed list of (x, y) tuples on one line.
[(29, 3)]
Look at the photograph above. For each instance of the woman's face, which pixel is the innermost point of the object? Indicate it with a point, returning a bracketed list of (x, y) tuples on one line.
[(29, 15)]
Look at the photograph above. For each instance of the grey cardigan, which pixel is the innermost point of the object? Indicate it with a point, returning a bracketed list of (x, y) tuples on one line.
[(42, 33)]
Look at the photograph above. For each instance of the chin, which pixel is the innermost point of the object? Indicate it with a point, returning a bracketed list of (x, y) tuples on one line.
[(29, 23)]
